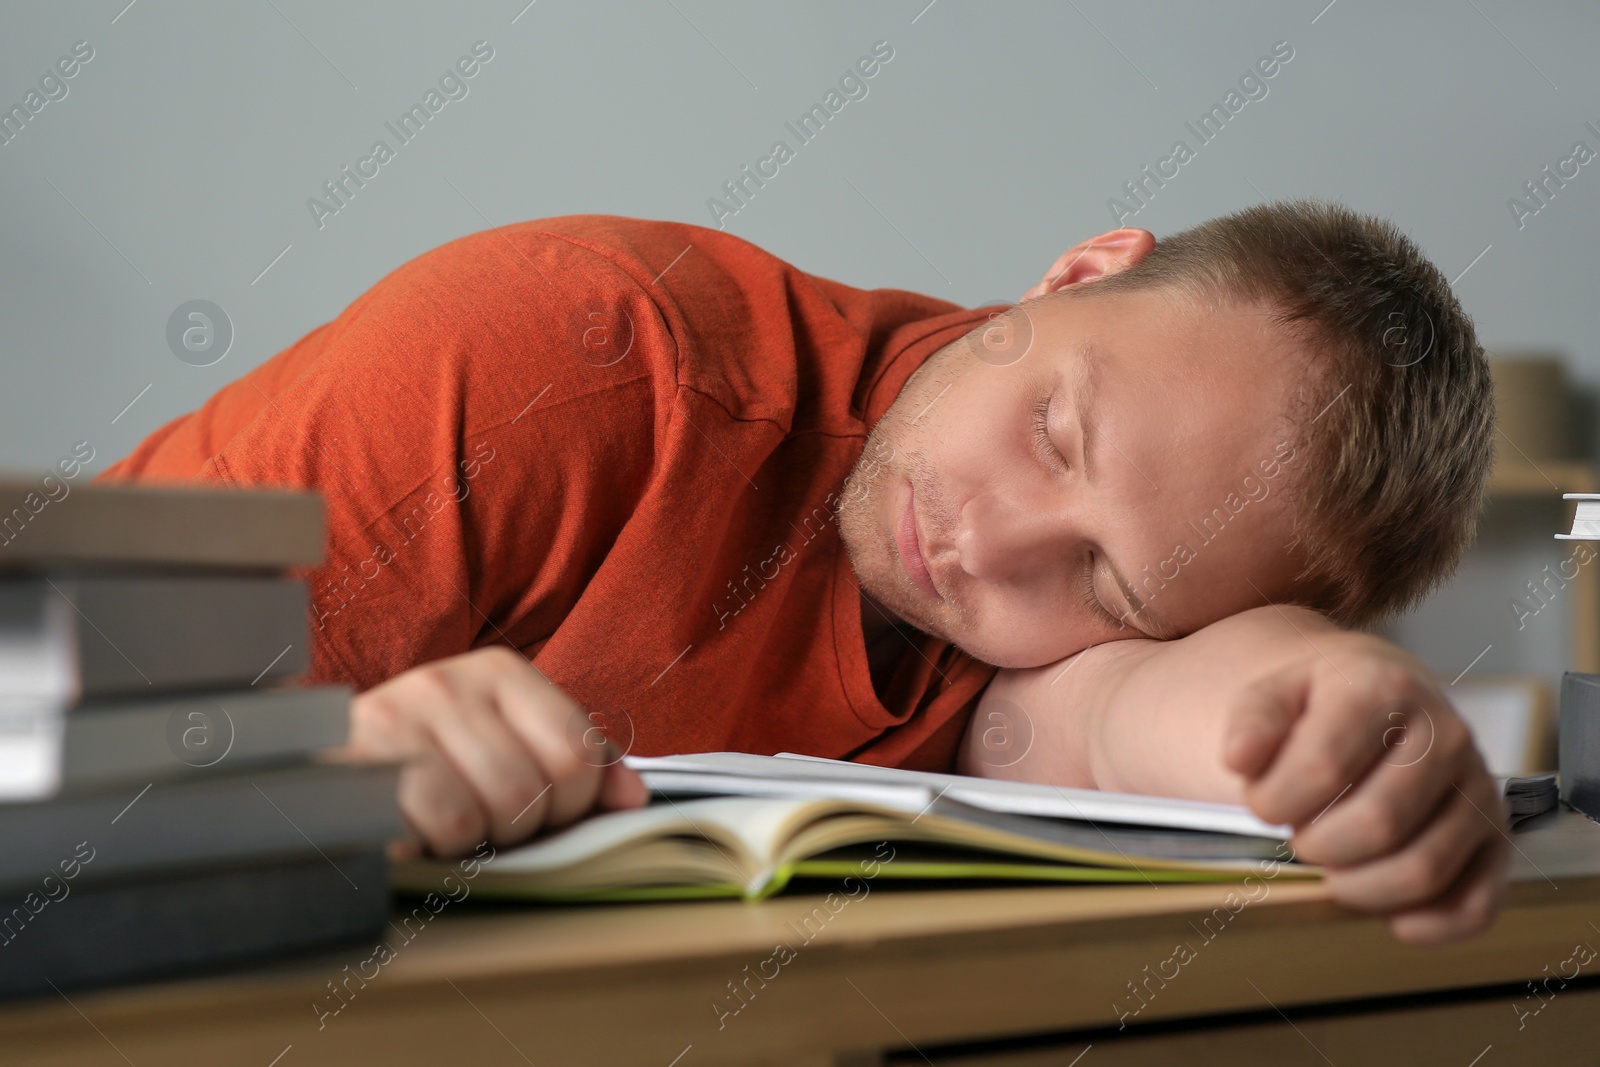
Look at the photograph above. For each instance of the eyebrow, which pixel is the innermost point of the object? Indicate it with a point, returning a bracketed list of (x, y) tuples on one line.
[(1083, 386), (1084, 375)]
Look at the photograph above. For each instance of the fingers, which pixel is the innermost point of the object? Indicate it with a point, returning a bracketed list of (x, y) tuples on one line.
[(1386, 806), (1447, 882), (492, 751), (1264, 716), (505, 778), (1470, 906), (1424, 868), (1357, 749), (1353, 719), (423, 718), (440, 806), (546, 721), (622, 788), (433, 798)]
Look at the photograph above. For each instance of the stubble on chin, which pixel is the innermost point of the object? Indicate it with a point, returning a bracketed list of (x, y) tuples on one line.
[(860, 503), (890, 456), (871, 542)]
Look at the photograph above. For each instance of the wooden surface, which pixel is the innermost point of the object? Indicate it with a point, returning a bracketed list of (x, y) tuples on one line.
[(893, 969)]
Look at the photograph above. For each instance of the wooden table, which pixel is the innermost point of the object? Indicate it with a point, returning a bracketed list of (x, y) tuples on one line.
[(896, 975)]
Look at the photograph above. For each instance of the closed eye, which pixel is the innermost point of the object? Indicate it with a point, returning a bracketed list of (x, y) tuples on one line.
[(1092, 601), (1042, 442)]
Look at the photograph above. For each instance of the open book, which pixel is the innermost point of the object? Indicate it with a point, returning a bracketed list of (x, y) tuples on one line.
[(731, 824)]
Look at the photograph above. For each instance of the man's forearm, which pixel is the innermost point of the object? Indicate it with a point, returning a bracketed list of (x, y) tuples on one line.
[(1139, 716), (1343, 736)]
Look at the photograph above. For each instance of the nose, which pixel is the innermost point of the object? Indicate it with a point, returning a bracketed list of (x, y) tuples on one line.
[(999, 538)]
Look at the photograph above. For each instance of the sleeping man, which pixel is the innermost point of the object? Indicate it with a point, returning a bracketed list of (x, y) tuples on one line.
[(594, 478)]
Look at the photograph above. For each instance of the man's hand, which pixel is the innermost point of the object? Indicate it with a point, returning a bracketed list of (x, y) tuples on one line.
[(1341, 735), (1354, 746), (493, 751)]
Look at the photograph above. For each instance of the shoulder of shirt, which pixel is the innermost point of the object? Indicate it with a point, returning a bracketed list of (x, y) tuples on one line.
[(749, 328), (739, 316)]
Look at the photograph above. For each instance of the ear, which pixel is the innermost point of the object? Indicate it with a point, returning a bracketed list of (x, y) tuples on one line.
[(1097, 257)]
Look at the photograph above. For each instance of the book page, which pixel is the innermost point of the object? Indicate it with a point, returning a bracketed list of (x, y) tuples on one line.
[(1016, 798), (748, 831)]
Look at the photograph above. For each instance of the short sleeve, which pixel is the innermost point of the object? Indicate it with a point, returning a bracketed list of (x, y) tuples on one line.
[(480, 424)]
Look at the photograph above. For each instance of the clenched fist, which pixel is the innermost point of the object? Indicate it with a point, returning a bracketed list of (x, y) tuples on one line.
[(492, 749), (1342, 735), (1353, 744)]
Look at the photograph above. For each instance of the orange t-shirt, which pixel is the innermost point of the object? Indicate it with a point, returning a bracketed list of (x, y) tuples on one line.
[(614, 445)]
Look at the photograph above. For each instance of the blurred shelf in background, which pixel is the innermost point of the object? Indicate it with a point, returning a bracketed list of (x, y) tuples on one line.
[(1524, 606), (1545, 478), (1523, 478)]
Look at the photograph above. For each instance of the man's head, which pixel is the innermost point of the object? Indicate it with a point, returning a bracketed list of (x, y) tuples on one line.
[(1286, 404)]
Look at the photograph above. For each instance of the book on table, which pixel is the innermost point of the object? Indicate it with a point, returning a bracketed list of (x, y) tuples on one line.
[(45, 750), (92, 933), (67, 636), (199, 819), (168, 799), (1585, 517), (132, 526), (732, 824)]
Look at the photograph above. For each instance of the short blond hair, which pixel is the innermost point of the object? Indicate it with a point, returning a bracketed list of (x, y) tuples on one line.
[(1397, 419)]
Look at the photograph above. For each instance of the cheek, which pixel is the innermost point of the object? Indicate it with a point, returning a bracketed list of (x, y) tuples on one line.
[(968, 431), (1012, 627)]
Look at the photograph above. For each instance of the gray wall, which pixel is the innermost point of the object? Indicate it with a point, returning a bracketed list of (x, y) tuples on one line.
[(179, 163)]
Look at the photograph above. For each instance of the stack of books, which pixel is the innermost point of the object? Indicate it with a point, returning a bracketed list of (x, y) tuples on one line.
[(165, 802)]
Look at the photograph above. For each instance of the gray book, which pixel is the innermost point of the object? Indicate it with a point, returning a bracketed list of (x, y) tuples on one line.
[(188, 920), (72, 636), (1529, 795), (51, 521), (212, 819), (44, 750)]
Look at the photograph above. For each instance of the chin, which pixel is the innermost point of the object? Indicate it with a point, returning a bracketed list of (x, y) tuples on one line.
[(985, 652), (899, 597), (1013, 655)]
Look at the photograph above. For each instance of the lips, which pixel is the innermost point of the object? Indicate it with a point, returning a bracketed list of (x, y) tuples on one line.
[(910, 546)]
